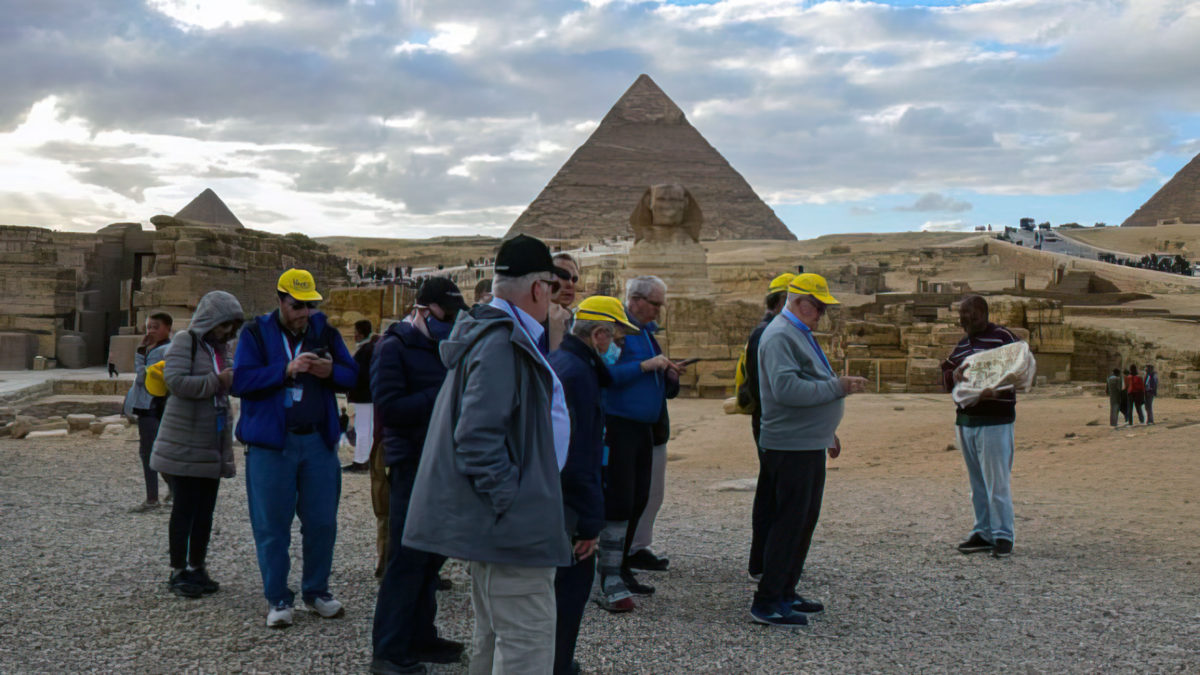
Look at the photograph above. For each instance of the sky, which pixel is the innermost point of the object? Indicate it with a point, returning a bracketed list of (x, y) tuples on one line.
[(406, 118)]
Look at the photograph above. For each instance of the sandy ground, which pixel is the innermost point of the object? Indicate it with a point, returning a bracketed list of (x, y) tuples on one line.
[(1141, 240), (1104, 576)]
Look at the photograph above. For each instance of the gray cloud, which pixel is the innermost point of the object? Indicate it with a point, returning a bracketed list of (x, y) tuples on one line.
[(128, 180), (932, 201)]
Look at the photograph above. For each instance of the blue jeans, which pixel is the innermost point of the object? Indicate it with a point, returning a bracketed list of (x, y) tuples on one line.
[(988, 452), (304, 479)]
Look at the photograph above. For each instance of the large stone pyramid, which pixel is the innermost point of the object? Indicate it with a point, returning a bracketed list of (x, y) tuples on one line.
[(645, 140), (206, 210), (1178, 199)]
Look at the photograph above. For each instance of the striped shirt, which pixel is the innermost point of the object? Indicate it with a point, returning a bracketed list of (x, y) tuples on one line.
[(1001, 410)]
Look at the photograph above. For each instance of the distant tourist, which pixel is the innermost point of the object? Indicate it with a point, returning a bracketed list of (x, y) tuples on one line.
[(483, 292), (288, 364), (488, 489), (1136, 387), (558, 323), (195, 444), (406, 375), (985, 434), (578, 363), (642, 378), (147, 407), (803, 400), (761, 515), (1151, 385), (1115, 388), (360, 396), (1126, 409)]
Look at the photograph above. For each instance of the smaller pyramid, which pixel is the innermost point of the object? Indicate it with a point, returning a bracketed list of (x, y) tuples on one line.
[(1177, 201), (206, 210)]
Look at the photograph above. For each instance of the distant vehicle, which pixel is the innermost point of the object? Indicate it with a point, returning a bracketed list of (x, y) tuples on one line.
[(1044, 226), (1051, 237), (1027, 224)]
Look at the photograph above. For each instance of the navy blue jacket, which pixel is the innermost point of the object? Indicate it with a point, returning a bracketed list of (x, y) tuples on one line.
[(406, 375), (259, 370), (582, 373)]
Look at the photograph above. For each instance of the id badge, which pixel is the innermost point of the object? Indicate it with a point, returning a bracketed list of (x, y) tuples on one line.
[(294, 394)]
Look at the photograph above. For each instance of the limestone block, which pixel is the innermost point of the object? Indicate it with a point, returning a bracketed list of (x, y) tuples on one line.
[(51, 424), (121, 351), (926, 352), (869, 333), (114, 419), (71, 351), (947, 336), (17, 351), (45, 433), (80, 422), (886, 352), (858, 351), (113, 430), (6, 430), (1052, 338), (924, 372)]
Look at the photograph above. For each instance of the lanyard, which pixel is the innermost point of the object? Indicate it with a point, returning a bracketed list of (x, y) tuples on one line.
[(792, 319), (287, 348)]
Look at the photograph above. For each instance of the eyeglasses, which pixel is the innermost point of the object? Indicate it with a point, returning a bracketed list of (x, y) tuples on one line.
[(656, 305), (554, 286), (298, 305)]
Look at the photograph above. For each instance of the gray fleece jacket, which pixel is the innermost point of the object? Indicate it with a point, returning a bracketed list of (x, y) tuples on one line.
[(195, 437), (802, 399)]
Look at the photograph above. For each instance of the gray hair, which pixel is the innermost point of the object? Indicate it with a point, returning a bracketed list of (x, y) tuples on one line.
[(640, 287), (508, 288), (583, 327)]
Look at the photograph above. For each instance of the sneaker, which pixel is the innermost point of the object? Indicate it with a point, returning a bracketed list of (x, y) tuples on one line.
[(437, 650), (636, 587), (647, 561), (199, 576), (1003, 548), (144, 507), (356, 467), (799, 604), (617, 603), (389, 667), (975, 544), (325, 605), (183, 585), (280, 615), (777, 614)]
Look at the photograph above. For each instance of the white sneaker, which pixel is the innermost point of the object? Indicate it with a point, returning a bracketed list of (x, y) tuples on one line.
[(279, 616), (327, 606)]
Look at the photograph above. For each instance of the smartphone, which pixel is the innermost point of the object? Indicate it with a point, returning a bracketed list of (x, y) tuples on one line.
[(321, 353), (686, 362)]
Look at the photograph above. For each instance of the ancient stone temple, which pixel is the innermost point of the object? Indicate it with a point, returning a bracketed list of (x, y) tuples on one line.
[(645, 139), (1176, 202), (666, 227)]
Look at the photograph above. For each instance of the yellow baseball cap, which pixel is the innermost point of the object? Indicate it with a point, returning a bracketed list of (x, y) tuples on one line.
[(299, 284), (780, 283), (604, 308), (814, 285)]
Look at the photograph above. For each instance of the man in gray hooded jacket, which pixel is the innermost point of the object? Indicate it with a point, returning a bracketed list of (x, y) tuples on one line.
[(487, 489)]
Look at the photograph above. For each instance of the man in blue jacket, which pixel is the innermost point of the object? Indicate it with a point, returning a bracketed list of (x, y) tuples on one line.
[(406, 374), (583, 374), (288, 367), (642, 378)]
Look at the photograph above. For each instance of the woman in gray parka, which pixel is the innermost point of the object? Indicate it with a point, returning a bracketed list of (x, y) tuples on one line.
[(195, 440)]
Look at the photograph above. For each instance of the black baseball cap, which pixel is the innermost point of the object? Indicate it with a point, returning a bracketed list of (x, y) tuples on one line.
[(442, 291), (523, 255)]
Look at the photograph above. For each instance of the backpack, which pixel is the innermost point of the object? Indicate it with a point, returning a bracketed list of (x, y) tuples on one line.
[(744, 403)]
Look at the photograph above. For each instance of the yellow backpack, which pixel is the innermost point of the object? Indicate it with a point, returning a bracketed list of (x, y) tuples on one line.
[(744, 402)]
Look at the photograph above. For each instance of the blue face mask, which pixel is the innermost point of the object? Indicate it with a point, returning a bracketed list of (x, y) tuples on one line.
[(438, 329), (614, 352)]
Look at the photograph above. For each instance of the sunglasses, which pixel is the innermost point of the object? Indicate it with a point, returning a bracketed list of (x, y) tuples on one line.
[(298, 305), (554, 286)]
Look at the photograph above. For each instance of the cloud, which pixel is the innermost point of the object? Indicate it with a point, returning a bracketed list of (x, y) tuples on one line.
[(944, 226), (932, 201)]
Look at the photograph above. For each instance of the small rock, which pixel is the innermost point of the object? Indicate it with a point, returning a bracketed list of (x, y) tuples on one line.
[(1069, 434), (736, 485), (950, 447), (113, 429), (1094, 423), (899, 407), (1110, 613), (45, 433)]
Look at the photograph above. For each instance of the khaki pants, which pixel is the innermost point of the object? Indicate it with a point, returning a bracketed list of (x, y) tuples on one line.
[(380, 493), (515, 616)]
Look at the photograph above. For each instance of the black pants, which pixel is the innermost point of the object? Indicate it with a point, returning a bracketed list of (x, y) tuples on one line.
[(572, 586), (407, 601), (147, 431), (627, 476), (795, 483), (760, 519), (191, 519)]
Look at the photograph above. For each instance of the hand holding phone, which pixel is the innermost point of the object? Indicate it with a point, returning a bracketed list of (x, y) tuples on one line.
[(686, 362)]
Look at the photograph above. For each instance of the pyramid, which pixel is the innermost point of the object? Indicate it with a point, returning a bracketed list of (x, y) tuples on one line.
[(206, 210), (645, 140), (1178, 199)]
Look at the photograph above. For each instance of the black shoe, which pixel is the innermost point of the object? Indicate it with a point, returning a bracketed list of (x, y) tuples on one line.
[(799, 604), (438, 650), (645, 560), (405, 667), (976, 544), (199, 576), (356, 467), (443, 584), (182, 585), (1003, 549), (635, 586)]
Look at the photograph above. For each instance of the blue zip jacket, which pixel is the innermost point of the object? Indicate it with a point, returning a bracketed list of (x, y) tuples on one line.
[(258, 378), (633, 394), (583, 374), (406, 375)]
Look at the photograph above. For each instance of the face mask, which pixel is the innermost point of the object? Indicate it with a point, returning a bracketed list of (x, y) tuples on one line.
[(438, 329), (614, 352)]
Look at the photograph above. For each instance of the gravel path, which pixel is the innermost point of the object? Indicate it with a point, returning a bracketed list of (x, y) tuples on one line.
[(1103, 577)]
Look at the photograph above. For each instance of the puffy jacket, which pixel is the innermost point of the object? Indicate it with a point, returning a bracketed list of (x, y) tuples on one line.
[(583, 374), (194, 437), (259, 370), (487, 488), (633, 394), (406, 374)]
